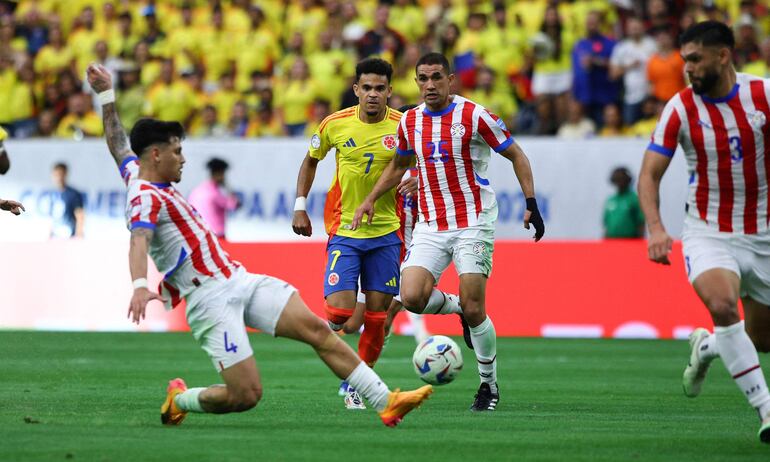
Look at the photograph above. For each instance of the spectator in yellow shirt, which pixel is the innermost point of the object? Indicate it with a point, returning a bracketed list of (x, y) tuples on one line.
[(81, 121), (267, 123), (613, 122), (225, 97), (496, 99), (207, 125), (760, 67), (24, 102), (321, 110), (122, 39), (150, 67), (169, 98), (294, 97), (240, 124), (83, 39), (329, 66), (216, 47), (54, 57), (259, 49)]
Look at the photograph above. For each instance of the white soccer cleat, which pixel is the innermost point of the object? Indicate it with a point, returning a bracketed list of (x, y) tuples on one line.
[(353, 400), (695, 372)]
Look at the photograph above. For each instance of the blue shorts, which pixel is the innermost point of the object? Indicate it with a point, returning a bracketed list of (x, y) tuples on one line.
[(376, 260)]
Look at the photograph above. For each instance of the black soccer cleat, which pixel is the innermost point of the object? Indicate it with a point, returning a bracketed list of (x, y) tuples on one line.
[(485, 400), (466, 332)]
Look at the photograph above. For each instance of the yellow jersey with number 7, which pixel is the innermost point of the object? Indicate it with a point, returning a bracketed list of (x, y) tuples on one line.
[(363, 151)]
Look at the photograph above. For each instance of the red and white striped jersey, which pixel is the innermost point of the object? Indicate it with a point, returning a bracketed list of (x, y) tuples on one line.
[(407, 210), (725, 142), (452, 149), (183, 247)]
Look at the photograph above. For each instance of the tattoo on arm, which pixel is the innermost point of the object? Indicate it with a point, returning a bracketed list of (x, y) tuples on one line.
[(114, 133)]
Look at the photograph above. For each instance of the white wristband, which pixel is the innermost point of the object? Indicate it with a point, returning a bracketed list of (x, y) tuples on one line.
[(106, 97), (300, 204), (140, 283)]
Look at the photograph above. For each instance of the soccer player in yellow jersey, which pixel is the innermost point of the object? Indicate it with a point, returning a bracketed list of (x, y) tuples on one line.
[(364, 138)]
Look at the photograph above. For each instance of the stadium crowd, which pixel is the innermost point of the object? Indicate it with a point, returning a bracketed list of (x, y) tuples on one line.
[(253, 68)]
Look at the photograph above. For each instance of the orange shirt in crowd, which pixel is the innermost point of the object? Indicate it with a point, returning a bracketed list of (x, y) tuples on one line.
[(666, 75)]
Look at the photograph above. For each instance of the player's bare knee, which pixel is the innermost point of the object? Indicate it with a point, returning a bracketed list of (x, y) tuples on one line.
[(414, 301), (723, 310), (245, 399)]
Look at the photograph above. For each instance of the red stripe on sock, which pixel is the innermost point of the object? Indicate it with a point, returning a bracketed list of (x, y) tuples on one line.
[(741, 374)]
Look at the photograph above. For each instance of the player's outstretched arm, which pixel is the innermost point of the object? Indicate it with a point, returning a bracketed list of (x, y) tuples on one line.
[(389, 179), (300, 223), (523, 172), (137, 261), (12, 206), (659, 242), (101, 81)]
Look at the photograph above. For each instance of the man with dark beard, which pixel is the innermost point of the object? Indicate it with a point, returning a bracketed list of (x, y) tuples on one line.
[(721, 123)]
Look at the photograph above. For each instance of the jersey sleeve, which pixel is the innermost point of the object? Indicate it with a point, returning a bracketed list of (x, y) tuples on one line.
[(666, 134), (403, 148), (493, 131), (3, 134), (143, 210), (319, 142), (129, 169)]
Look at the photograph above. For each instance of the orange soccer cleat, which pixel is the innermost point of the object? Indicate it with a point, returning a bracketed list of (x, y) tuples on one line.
[(401, 402), (170, 414)]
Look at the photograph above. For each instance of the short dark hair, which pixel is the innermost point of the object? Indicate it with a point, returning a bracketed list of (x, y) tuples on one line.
[(375, 66), (216, 165), (434, 58), (709, 33), (147, 132), (60, 166), (406, 107)]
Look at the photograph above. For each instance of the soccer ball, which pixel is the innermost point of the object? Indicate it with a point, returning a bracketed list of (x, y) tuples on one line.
[(437, 360)]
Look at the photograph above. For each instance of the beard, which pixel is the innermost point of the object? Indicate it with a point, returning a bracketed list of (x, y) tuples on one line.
[(706, 83)]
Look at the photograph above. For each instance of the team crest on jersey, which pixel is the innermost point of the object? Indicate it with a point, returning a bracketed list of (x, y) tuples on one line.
[(457, 130), (334, 278), (479, 248), (757, 119), (315, 142), (389, 142)]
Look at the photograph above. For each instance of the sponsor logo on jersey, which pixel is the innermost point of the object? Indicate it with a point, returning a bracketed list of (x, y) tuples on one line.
[(350, 143), (389, 142), (457, 130), (334, 279)]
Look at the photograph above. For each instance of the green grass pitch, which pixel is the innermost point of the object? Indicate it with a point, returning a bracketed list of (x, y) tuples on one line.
[(95, 397)]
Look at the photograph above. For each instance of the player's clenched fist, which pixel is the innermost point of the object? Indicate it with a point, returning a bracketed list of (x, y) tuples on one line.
[(301, 223), (659, 246), (99, 77)]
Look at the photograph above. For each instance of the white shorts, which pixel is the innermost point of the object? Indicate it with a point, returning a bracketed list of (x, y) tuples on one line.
[(747, 255), (551, 83), (219, 311), (469, 248)]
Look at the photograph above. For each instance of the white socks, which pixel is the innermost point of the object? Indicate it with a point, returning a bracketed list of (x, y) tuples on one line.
[(740, 358), (369, 385), (188, 400), (442, 303), (484, 342)]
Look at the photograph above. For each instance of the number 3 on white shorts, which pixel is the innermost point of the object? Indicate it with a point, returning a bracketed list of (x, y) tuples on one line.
[(336, 255)]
